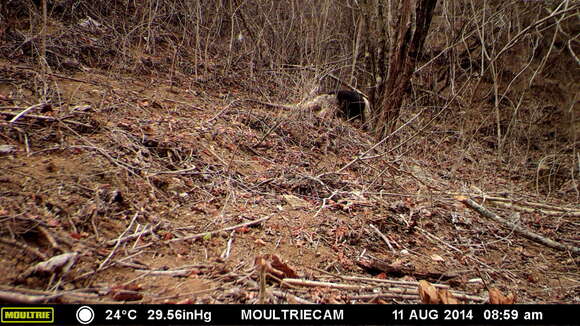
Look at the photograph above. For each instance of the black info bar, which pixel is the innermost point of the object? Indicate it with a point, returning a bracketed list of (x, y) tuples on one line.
[(131, 314)]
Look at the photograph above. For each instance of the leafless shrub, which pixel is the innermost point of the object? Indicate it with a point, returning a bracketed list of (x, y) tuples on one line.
[(500, 73)]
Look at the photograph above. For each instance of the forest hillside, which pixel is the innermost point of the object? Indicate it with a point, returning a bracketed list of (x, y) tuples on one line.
[(145, 156)]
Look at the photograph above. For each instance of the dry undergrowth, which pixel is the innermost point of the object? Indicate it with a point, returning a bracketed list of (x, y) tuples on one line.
[(133, 194), (142, 174)]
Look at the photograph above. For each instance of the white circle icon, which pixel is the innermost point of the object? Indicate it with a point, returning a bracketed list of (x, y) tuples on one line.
[(85, 315)]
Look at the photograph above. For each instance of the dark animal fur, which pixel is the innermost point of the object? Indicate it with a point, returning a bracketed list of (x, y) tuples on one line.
[(348, 105), (351, 105)]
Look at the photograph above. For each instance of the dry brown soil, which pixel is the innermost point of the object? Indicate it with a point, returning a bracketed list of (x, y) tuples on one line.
[(194, 158)]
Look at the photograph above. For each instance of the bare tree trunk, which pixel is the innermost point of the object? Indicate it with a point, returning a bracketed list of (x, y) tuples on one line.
[(42, 56), (43, 62), (412, 25)]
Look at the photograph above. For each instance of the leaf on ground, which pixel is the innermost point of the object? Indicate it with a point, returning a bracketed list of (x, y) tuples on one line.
[(280, 265), (428, 293), (431, 295), (273, 265), (496, 297)]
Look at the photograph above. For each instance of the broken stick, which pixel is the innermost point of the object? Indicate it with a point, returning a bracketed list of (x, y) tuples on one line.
[(518, 229)]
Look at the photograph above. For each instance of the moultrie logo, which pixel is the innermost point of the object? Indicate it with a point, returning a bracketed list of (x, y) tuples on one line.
[(27, 315)]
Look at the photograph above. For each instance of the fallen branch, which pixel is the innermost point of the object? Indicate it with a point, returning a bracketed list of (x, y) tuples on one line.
[(375, 296), (129, 265), (210, 233), (528, 203), (514, 206), (32, 296), (389, 295), (290, 282), (518, 204), (392, 292), (518, 229), (45, 118)]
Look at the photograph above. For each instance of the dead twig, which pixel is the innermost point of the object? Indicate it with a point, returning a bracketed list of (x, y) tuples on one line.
[(385, 239), (129, 265), (46, 118), (363, 156), (518, 229), (374, 296), (180, 272), (117, 243), (324, 200), (343, 286), (219, 114), (292, 282), (50, 238), (516, 207), (134, 235), (543, 208), (183, 171), (228, 249), (24, 295), (229, 228), (28, 109)]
